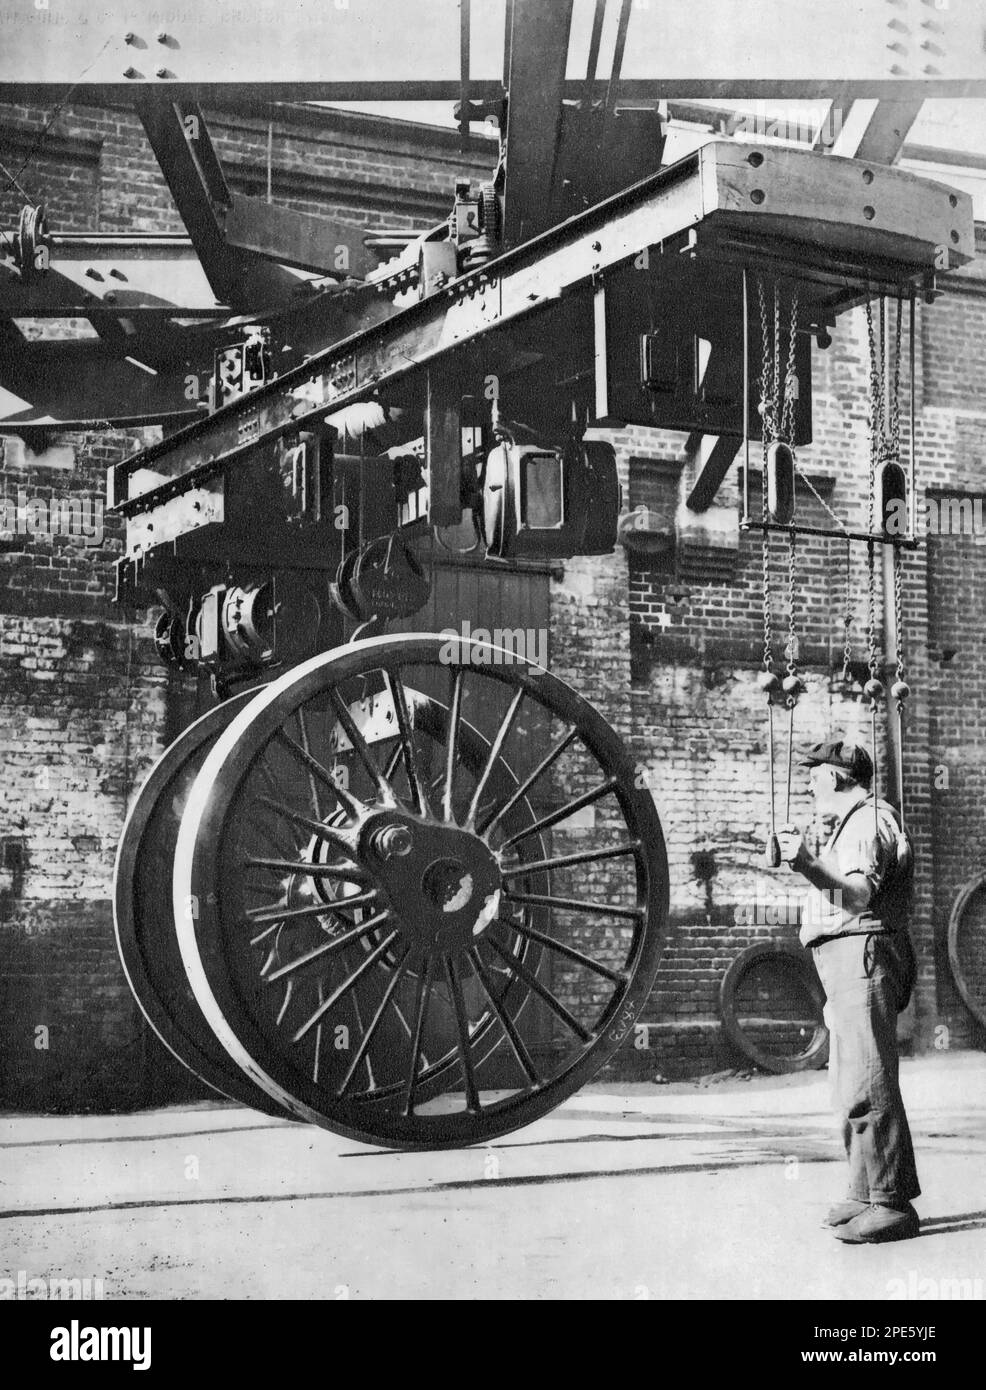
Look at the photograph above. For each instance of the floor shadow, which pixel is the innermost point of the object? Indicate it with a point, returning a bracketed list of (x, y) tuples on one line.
[(949, 1225)]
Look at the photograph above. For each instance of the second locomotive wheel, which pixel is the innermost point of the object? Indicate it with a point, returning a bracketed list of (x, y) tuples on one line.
[(771, 1005), (143, 917), (440, 957)]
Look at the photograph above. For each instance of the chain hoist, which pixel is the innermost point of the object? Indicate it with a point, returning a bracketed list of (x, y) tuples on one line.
[(873, 690), (792, 685), (888, 484), (900, 690), (778, 396)]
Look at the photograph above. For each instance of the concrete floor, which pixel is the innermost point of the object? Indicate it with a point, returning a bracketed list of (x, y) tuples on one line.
[(649, 1191)]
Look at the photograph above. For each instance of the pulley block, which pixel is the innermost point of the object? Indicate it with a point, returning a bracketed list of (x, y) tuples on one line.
[(241, 367), (32, 244), (387, 580), (341, 589), (780, 482), (597, 490), (891, 499), (547, 503), (243, 625), (438, 264), (248, 622), (171, 641), (481, 248)]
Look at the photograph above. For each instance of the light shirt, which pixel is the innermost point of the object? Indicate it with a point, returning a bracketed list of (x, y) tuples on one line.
[(879, 851)]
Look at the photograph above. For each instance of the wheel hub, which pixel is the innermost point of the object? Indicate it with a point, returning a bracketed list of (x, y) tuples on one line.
[(443, 882)]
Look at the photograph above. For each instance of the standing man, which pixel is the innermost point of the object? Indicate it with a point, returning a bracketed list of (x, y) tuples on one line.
[(853, 923)]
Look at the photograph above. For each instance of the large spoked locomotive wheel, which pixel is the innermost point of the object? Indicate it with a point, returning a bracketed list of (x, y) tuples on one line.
[(418, 898), (144, 921)]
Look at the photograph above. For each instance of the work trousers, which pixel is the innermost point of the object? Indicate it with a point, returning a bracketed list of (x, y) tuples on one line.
[(867, 980)]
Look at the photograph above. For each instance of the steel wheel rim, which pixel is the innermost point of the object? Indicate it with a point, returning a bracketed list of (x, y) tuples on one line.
[(202, 826), (966, 894), (183, 1031), (815, 1054)]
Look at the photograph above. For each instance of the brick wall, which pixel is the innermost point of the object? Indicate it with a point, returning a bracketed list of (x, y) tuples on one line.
[(82, 715), (98, 172)]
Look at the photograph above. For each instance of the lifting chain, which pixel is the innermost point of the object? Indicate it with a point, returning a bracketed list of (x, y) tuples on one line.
[(768, 411), (791, 649), (899, 618), (778, 397), (768, 385), (873, 660), (876, 382), (884, 417), (768, 681), (792, 684), (790, 376), (884, 449), (873, 689), (900, 690), (847, 617), (878, 444), (895, 393)]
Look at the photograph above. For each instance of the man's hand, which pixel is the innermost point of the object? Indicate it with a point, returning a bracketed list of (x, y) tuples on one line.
[(792, 844)]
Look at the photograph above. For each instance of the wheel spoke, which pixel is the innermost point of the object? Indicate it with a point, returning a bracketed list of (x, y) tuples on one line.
[(366, 964), (541, 990), (347, 872), (404, 1023), (495, 750), (336, 837), (573, 905), (360, 747), (276, 835), (563, 812), (269, 779), (315, 770), (288, 991), (329, 947), (416, 780), (359, 1024), (552, 757), (306, 748), (392, 762), (455, 716), (256, 940), (318, 1042), (507, 1023), (290, 914), (585, 856), (318, 1049), (420, 1009), (462, 1027), (617, 976), (381, 1009)]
